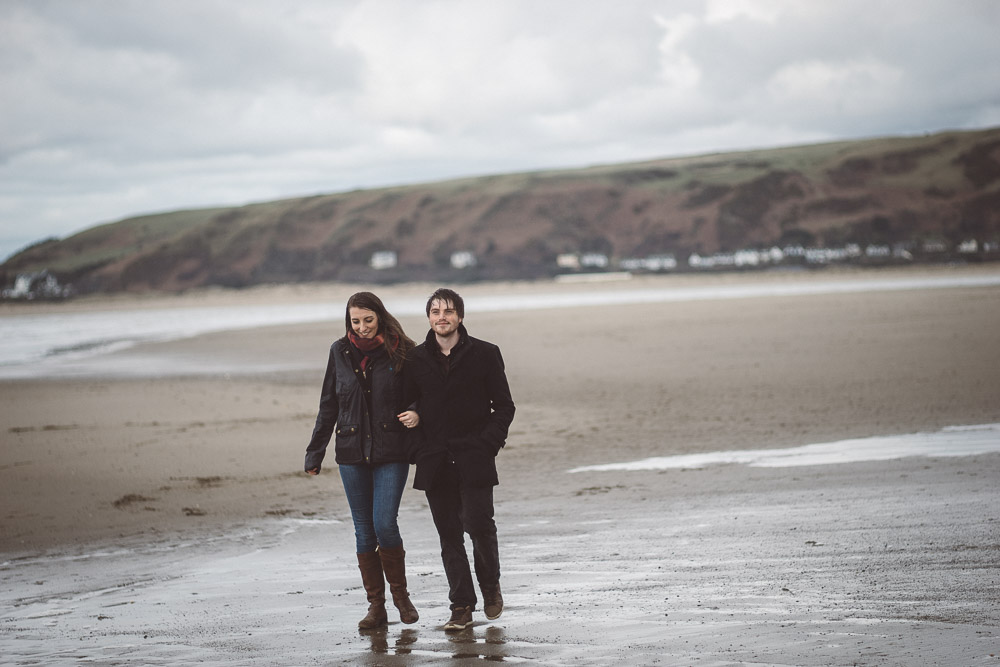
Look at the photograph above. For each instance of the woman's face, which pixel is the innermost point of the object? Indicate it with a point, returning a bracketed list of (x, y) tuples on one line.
[(364, 322)]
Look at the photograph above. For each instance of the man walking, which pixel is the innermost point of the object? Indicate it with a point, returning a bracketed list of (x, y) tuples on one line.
[(465, 410)]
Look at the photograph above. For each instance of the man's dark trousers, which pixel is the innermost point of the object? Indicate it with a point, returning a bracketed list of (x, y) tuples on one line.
[(457, 510)]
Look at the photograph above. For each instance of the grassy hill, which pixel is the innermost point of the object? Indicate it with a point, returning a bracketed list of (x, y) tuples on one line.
[(939, 189)]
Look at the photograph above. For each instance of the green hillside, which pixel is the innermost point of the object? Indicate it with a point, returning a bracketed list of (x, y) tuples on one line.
[(921, 196)]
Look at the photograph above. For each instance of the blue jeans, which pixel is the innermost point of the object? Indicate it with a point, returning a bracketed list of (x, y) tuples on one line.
[(374, 492)]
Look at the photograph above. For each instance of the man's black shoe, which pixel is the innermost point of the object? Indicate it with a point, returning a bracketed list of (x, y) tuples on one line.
[(492, 601), (461, 618)]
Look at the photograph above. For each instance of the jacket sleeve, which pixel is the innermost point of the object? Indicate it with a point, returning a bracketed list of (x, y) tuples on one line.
[(411, 391), (411, 401), (494, 434), (329, 410)]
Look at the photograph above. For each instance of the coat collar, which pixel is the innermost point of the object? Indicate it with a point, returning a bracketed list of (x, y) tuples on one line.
[(457, 352), (463, 340)]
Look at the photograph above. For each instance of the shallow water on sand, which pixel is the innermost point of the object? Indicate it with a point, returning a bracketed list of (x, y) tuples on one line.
[(875, 562), (65, 344), (951, 441)]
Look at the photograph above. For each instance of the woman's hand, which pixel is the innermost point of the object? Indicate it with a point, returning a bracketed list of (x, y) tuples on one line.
[(409, 419)]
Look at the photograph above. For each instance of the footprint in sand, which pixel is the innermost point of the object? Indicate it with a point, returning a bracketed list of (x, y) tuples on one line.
[(130, 499)]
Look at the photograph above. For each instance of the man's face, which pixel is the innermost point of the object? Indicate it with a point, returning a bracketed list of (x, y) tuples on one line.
[(443, 318)]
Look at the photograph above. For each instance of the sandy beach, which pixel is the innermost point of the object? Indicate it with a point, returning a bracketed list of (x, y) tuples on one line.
[(166, 520)]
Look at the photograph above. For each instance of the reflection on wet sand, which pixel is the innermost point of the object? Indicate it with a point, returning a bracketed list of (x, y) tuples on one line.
[(379, 639), (472, 643), (488, 645)]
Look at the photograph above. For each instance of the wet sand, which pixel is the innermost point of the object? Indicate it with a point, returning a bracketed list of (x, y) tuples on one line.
[(167, 521)]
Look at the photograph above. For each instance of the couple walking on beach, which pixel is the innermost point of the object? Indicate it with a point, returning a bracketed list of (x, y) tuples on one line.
[(443, 404)]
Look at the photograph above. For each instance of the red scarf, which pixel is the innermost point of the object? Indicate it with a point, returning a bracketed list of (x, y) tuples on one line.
[(365, 345)]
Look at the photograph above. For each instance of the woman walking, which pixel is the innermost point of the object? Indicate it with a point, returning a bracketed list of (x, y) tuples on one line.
[(362, 398)]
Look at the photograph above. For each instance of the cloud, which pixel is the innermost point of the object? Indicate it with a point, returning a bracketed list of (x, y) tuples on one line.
[(116, 107)]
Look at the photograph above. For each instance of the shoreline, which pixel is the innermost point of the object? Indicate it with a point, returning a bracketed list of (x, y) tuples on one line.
[(121, 338), (334, 292)]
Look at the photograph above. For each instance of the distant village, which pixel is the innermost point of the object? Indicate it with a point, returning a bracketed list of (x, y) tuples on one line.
[(44, 286), (41, 286), (901, 253)]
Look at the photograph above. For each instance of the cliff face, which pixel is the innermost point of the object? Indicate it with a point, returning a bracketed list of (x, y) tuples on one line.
[(942, 189)]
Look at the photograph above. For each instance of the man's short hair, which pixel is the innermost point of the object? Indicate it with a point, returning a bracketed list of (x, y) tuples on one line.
[(448, 296)]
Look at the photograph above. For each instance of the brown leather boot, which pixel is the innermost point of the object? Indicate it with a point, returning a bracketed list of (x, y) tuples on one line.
[(371, 575), (394, 563)]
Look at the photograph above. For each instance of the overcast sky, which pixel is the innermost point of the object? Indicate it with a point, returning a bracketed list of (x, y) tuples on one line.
[(112, 108)]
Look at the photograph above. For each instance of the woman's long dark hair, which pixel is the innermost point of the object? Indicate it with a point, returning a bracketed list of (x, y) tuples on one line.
[(397, 343)]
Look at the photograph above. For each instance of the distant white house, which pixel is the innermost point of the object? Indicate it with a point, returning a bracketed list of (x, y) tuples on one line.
[(878, 251), (463, 259), (774, 255), (665, 262), (793, 251), (968, 246), (22, 286), (719, 259), (40, 285), (383, 259), (746, 258), (568, 260), (826, 255), (594, 260)]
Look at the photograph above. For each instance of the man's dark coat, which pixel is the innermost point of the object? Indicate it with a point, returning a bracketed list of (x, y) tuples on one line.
[(465, 408)]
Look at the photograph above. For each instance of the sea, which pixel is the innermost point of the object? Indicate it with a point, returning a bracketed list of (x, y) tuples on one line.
[(53, 345)]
